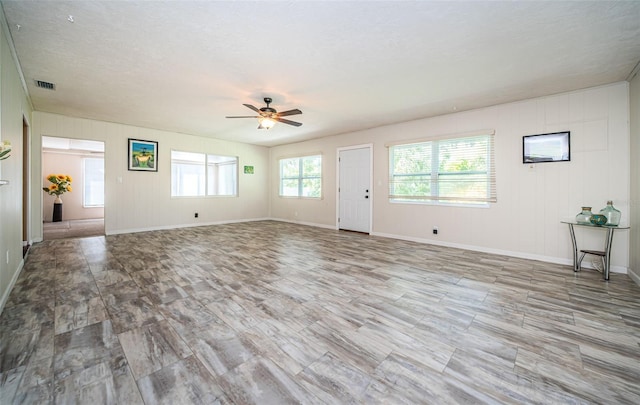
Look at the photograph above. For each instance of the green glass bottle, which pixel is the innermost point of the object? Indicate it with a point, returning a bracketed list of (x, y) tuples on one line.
[(585, 216), (613, 215)]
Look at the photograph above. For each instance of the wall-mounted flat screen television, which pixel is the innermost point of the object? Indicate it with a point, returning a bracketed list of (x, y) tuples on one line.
[(542, 148)]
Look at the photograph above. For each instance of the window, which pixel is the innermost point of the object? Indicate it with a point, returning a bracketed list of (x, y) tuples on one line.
[(198, 174), (301, 177), (449, 170), (93, 186), (222, 174)]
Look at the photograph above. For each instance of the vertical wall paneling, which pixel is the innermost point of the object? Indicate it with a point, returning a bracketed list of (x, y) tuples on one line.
[(14, 107), (532, 199), (139, 201)]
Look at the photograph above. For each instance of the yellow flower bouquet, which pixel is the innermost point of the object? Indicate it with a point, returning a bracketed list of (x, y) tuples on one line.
[(60, 184)]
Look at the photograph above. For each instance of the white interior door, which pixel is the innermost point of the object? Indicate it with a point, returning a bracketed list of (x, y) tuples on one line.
[(354, 190)]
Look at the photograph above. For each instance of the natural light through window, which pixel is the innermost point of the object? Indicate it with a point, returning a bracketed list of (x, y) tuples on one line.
[(222, 175), (457, 170), (198, 174), (93, 178), (301, 177)]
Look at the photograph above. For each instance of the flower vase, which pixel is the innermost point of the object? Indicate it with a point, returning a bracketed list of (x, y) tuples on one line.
[(57, 209)]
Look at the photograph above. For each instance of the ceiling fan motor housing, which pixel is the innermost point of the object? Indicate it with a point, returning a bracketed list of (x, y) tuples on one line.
[(268, 110)]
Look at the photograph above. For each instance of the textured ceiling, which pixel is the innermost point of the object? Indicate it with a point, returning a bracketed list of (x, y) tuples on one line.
[(183, 66)]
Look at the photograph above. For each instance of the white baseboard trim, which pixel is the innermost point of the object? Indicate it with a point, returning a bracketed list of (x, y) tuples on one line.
[(12, 283), (193, 225), (634, 276), (520, 255)]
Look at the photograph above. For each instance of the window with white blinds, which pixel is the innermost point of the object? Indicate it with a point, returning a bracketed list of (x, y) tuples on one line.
[(453, 170)]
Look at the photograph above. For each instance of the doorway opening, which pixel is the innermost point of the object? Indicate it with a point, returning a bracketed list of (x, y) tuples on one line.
[(80, 211)]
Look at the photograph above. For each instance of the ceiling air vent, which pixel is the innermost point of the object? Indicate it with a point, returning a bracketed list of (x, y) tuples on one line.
[(45, 85)]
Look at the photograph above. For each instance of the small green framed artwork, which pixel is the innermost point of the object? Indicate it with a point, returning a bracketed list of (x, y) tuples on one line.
[(143, 155), (248, 170)]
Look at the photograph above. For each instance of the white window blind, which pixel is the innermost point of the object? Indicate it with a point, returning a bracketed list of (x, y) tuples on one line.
[(444, 170)]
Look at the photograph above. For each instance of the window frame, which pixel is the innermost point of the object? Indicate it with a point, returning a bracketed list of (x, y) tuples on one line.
[(235, 162), (434, 176), (301, 177), (84, 182), (203, 180)]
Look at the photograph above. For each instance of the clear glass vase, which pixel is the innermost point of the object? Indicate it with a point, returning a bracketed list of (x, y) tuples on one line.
[(585, 216), (613, 215)]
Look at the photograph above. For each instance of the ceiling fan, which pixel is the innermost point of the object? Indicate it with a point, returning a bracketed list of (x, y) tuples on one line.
[(268, 116)]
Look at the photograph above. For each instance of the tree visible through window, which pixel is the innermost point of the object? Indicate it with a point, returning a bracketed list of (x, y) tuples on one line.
[(454, 170), (301, 177)]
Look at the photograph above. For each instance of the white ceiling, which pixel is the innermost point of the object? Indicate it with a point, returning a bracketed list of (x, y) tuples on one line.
[(184, 65)]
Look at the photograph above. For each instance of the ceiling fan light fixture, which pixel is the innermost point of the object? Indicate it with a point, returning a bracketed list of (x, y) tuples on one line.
[(267, 116), (266, 123)]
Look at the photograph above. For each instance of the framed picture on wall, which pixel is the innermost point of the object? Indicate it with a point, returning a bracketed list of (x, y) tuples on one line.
[(143, 155)]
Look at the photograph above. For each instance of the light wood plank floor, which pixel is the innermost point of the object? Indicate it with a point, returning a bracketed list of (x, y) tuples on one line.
[(75, 228), (275, 313)]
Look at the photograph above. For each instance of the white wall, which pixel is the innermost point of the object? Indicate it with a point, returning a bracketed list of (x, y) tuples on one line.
[(532, 200), (54, 162), (14, 106), (635, 178), (137, 201)]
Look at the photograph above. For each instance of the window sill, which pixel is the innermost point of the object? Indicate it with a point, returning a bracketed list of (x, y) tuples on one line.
[(442, 204), (294, 197)]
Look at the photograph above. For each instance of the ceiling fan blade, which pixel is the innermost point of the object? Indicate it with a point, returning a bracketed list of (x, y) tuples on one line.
[(290, 112), (295, 124), (252, 108), (244, 116)]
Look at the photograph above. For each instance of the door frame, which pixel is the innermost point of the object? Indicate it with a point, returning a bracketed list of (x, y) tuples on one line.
[(42, 175), (371, 193), (27, 239)]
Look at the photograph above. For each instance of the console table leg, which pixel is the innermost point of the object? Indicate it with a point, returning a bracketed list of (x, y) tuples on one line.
[(575, 248), (607, 253)]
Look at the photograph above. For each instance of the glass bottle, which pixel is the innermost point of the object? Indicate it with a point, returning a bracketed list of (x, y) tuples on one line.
[(613, 215), (584, 216)]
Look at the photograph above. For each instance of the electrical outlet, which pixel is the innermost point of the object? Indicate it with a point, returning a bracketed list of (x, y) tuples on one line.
[(435, 230), (195, 215)]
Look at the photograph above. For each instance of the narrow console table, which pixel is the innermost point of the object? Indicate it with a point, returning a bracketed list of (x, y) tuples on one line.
[(605, 254)]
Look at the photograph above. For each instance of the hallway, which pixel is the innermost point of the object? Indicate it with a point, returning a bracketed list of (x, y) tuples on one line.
[(80, 228)]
